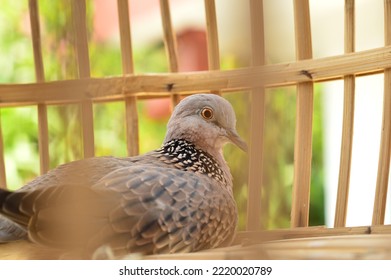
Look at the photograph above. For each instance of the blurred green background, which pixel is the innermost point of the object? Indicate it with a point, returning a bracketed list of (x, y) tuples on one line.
[(20, 125)]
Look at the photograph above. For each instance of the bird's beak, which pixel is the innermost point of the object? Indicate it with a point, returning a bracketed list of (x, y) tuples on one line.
[(234, 137)]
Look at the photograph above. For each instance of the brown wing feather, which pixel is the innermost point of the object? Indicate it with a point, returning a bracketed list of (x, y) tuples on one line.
[(83, 172), (142, 208), (183, 211)]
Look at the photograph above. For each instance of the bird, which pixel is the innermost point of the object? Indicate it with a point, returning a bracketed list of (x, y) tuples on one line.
[(175, 199)]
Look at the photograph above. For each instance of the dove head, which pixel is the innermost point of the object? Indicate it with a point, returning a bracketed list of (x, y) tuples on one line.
[(206, 120)]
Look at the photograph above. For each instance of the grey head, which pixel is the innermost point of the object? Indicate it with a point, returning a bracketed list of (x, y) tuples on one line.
[(206, 120)]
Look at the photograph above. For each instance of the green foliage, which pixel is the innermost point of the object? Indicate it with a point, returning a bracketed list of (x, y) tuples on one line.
[(279, 157), (236, 158), (16, 63), (65, 136), (279, 134), (317, 203), (19, 128), (17, 66), (151, 59)]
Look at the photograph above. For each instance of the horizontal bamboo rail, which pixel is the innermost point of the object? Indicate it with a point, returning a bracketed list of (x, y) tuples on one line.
[(314, 231), (159, 85), (298, 243), (352, 245)]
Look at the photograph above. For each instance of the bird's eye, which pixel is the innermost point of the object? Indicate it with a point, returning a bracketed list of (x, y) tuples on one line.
[(207, 113)]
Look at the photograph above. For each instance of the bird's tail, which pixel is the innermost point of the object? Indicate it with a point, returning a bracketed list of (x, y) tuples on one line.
[(10, 203), (9, 231), (3, 196)]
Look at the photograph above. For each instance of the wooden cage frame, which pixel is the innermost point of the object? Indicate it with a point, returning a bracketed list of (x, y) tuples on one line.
[(303, 73)]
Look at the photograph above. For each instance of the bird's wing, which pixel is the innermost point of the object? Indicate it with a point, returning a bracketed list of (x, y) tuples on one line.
[(85, 171), (81, 172), (168, 210), (142, 208)]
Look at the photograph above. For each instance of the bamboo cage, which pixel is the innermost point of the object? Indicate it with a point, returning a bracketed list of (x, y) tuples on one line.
[(301, 241)]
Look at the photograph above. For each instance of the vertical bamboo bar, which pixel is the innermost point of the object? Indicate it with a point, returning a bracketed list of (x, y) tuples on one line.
[(348, 123), (212, 35), (132, 134), (304, 112), (385, 144), (36, 40), (83, 61), (170, 43), (43, 139), (3, 178), (254, 206), (169, 36)]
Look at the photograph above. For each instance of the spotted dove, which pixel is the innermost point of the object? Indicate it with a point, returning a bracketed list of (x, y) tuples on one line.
[(177, 198)]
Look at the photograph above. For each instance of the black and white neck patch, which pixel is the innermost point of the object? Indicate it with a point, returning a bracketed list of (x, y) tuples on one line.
[(185, 156)]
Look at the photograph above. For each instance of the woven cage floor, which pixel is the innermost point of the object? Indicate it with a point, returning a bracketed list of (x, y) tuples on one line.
[(347, 247)]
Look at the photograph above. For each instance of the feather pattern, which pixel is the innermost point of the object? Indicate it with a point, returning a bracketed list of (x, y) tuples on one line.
[(177, 198)]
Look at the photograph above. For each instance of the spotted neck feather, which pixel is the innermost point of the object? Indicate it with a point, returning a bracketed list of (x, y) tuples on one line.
[(185, 156)]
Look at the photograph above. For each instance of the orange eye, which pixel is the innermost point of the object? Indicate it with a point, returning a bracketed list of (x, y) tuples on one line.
[(207, 113)]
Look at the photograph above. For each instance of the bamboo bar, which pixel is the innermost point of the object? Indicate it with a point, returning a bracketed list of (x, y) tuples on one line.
[(132, 133), (348, 123), (43, 131), (250, 237), (347, 246), (160, 85), (312, 231), (3, 177), (36, 40), (169, 36), (304, 112), (83, 62), (379, 207), (254, 205), (171, 45), (212, 35)]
